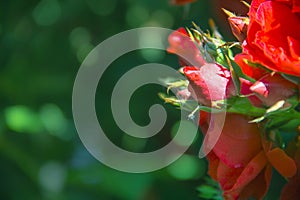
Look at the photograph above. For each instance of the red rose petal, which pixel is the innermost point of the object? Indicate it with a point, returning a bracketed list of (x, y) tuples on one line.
[(251, 71), (294, 47), (268, 40), (254, 167), (227, 176), (211, 82), (213, 165), (282, 163), (239, 141), (259, 186)]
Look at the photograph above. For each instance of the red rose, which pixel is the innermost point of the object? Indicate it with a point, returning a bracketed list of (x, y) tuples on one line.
[(241, 160), (251, 71), (182, 45), (238, 161), (273, 38), (211, 82)]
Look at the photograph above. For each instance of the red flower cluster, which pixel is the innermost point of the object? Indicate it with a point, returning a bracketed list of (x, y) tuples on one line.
[(242, 159)]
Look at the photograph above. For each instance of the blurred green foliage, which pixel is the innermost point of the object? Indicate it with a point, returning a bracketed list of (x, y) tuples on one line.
[(42, 46)]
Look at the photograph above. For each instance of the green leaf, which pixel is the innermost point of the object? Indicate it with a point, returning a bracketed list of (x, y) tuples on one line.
[(242, 105), (279, 119), (211, 110), (291, 78), (210, 190), (235, 76), (237, 70)]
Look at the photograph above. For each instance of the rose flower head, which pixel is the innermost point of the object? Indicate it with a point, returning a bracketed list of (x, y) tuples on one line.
[(273, 38)]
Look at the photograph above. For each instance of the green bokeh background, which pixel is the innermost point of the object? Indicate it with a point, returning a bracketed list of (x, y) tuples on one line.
[(42, 46)]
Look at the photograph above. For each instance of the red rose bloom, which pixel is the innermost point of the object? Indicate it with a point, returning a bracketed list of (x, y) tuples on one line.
[(273, 38), (241, 160)]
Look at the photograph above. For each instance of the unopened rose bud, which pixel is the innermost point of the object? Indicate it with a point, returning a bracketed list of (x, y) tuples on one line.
[(270, 89), (211, 82), (182, 45), (239, 26)]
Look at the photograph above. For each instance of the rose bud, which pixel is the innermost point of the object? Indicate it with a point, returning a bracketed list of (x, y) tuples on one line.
[(271, 89), (211, 82), (239, 27), (183, 46)]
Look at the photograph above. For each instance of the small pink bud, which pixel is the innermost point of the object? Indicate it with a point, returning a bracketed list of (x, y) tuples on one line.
[(239, 27), (271, 89)]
